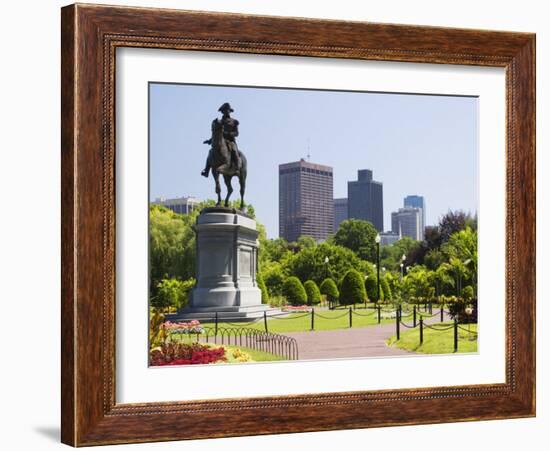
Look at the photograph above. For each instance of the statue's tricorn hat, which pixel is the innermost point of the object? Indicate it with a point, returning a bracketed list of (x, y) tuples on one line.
[(225, 107)]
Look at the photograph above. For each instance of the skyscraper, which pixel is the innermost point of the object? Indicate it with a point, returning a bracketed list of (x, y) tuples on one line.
[(416, 201), (305, 200), (407, 222), (365, 199), (340, 212)]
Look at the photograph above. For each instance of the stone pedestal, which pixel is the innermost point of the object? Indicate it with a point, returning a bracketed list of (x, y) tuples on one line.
[(227, 261)]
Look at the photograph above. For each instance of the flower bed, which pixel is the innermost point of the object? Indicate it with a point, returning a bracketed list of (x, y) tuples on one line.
[(192, 327), (185, 354)]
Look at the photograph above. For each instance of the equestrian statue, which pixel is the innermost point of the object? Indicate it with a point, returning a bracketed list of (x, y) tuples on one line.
[(224, 156)]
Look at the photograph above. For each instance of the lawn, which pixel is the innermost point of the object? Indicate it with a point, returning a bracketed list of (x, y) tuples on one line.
[(323, 320), (256, 356), (436, 342)]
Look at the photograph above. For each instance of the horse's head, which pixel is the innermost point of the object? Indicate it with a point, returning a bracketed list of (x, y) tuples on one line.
[(217, 135), (217, 128)]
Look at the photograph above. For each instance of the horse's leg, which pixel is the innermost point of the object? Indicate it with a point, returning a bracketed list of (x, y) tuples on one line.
[(242, 183), (216, 176), (227, 179)]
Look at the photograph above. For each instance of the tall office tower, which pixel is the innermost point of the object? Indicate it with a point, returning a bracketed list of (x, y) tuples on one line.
[(416, 201), (407, 222), (340, 212), (182, 205), (365, 199), (306, 206)]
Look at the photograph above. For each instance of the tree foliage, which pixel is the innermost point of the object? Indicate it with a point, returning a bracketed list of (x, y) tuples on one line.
[(172, 293), (359, 236), (353, 288), (310, 263), (171, 246), (262, 287)]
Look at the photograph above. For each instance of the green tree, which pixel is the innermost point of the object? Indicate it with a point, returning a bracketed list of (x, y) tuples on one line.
[(262, 287), (294, 291), (172, 293), (312, 291), (455, 221), (171, 246), (274, 278), (353, 288), (359, 236), (311, 263), (462, 246), (330, 290)]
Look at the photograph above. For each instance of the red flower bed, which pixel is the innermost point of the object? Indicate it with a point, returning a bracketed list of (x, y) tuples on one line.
[(185, 354)]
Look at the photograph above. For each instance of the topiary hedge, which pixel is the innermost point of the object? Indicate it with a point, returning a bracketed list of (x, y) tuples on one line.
[(294, 291), (371, 288), (385, 290), (330, 290), (353, 288), (313, 293)]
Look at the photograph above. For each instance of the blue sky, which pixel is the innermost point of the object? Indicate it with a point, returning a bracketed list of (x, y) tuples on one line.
[(415, 144)]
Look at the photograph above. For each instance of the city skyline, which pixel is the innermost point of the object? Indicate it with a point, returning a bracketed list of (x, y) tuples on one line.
[(414, 143)]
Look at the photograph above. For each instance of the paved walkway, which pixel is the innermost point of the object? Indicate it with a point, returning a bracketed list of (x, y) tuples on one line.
[(349, 343), (346, 343)]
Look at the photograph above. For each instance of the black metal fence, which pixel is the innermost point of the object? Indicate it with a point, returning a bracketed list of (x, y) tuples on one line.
[(248, 337)]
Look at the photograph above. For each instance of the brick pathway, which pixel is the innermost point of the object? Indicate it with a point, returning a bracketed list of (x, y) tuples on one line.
[(347, 343)]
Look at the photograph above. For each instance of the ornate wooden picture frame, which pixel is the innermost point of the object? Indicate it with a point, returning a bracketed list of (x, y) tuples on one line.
[(90, 37)]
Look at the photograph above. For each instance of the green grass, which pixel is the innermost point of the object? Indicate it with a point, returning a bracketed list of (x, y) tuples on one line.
[(436, 342), (301, 322), (256, 356)]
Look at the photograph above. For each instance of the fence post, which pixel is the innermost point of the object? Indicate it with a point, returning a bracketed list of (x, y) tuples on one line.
[(441, 311), (414, 316), (397, 323), (312, 319), (379, 314), (265, 321), (456, 334), (421, 330), (216, 326), (350, 318)]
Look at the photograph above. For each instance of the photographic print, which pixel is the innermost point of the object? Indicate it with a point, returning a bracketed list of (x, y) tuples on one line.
[(300, 224)]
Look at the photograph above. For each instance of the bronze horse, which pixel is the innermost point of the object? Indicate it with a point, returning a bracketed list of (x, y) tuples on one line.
[(222, 162)]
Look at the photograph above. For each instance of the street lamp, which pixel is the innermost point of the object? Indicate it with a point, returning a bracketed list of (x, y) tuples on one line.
[(326, 277), (402, 275), (377, 240)]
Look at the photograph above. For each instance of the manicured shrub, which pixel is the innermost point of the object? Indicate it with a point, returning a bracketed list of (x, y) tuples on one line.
[(385, 291), (371, 287), (353, 288), (262, 287), (329, 289), (313, 293), (294, 291)]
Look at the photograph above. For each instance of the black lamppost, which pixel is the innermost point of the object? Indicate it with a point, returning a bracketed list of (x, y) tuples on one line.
[(402, 265), (326, 277), (377, 239)]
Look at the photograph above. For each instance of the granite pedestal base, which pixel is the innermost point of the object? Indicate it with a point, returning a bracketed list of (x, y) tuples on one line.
[(227, 262)]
